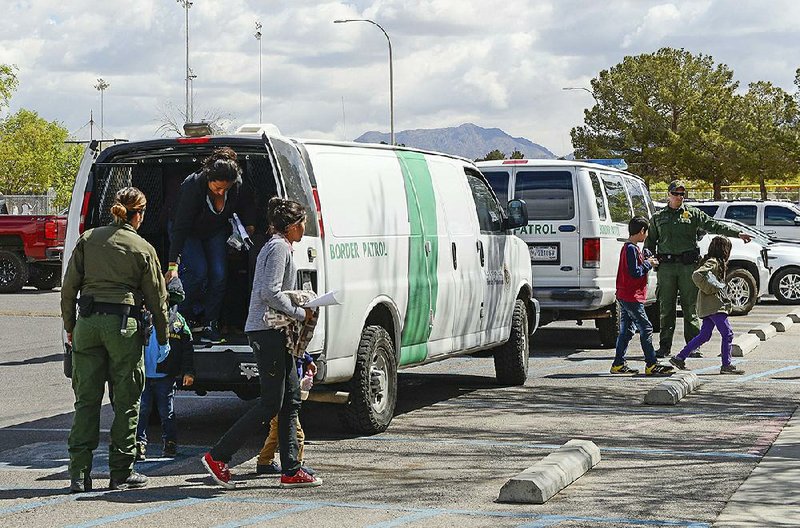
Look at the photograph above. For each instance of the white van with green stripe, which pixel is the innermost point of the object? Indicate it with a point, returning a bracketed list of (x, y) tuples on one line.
[(416, 243)]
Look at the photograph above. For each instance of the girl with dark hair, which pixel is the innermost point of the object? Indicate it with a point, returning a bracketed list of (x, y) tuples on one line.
[(275, 274), (207, 200), (713, 305)]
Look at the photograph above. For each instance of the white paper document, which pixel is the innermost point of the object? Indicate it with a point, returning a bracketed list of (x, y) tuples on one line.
[(328, 299)]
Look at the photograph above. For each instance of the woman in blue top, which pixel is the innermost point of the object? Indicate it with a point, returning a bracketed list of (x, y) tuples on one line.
[(275, 274)]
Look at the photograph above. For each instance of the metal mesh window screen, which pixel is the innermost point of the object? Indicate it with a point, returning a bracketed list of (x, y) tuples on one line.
[(147, 178), (111, 178), (257, 178)]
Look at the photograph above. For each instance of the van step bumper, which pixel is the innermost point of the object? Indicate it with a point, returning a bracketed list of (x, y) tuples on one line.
[(569, 298)]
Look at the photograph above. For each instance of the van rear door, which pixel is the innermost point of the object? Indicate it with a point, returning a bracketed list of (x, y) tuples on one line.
[(79, 203)]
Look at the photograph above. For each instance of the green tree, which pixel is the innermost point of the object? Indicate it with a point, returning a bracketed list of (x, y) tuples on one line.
[(517, 155), (34, 157), (8, 83), (492, 156), (643, 105)]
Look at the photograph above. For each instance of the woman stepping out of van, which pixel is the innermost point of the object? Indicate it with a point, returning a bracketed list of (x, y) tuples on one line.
[(631, 294), (280, 387), (206, 201)]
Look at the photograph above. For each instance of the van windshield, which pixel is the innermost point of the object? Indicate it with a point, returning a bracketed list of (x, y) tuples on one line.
[(548, 194)]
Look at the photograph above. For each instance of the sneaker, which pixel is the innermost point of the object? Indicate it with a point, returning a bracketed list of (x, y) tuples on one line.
[(623, 369), (678, 363), (218, 470), (695, 354), (308, 470), (268, 469), (211, 334), (301, 479), (730, 369), (80, 485), (141, 451), (132, 481), (657, 369), (170, 449)]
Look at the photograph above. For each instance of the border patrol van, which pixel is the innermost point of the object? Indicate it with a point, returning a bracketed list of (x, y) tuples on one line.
[(578, 222), (416, 243)]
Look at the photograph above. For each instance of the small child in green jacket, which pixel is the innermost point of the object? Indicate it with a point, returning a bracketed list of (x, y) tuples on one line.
[(713, 305)]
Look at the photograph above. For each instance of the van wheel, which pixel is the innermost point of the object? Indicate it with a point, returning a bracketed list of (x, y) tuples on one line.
[(373, 389), (787, 286), (13, 271), (654, 314), (45, 277), (742, 290), (247, 392), (511, 358), (609, 327)]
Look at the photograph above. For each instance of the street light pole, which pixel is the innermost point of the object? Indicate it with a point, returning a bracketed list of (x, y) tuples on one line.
[(101, 86), (581, 88), (258, 38), (391, 72), (187, 4), (192, 77)]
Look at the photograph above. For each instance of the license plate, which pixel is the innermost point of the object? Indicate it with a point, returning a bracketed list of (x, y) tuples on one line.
[(544, 253)]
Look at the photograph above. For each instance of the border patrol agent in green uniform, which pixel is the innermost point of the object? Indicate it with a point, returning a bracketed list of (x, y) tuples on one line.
[(673, 239), (116, 271)]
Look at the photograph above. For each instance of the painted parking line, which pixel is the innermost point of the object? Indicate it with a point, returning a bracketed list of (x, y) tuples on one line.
[(750, 377), (268, 516), (10, 510), (102, 521), (400, 521)]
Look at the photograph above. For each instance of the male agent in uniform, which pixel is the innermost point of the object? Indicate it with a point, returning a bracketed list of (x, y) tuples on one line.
[(673, 239)]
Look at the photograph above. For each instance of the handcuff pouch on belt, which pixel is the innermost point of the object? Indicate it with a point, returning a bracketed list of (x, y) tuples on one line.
[(687, 257)]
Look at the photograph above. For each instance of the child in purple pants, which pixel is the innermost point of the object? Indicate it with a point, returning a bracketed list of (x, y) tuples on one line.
[(713, 305)]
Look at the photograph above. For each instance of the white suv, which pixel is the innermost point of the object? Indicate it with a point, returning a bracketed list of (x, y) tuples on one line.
[(781, 219)]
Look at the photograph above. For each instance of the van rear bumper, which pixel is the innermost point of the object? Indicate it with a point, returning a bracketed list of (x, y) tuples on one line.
[(220, 367), (583, 299)]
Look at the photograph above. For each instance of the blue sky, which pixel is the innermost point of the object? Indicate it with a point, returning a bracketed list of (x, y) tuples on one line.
[(455, 61)]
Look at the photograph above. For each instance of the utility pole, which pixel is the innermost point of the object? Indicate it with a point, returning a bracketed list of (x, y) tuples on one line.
[(192, 77), (186, 5), (258, 38), (101, 86)]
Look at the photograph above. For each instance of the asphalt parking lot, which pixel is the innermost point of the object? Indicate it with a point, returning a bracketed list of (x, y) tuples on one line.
[(456, 439)]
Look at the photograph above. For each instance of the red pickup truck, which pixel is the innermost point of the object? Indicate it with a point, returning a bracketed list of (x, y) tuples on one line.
[(30, 251)]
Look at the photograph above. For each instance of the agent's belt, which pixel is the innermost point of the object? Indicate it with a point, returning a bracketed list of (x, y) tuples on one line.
[(687, 257), (115, 309)]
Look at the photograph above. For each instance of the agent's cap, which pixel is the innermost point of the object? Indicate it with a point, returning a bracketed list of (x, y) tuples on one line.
[(175, 291), (676, 184)]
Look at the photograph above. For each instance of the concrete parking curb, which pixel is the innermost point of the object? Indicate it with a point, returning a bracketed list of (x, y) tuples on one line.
[(794, 316), (744, 344), (671, 390), (556, 471), (782, 324), (764, 331)]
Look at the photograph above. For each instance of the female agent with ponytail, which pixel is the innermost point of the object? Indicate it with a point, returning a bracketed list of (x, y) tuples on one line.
[(713, 305), (115, 271), (207, 200), (280, 387)]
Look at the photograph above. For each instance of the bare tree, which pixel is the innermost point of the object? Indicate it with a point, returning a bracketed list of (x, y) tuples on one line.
[(171, 119)]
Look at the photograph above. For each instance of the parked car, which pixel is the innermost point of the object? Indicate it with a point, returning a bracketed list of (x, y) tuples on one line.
[(30, 251), (579, 215), (778, 218), (417, 245)]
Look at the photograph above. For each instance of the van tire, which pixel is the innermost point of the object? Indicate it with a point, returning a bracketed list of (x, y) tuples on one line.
[(787, 293), (511, 358), (744, 288), (371, 405), (609, 327), (13, 271)]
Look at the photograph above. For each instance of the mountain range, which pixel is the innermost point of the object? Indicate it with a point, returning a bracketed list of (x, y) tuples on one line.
[(468, 141)]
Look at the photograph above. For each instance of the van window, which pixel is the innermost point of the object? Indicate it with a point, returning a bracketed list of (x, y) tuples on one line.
[(549, 194), (296, 181), (617, 198), (776, 215), (743, 213), (490, 215), (498, 180), (710, 210), (599, 197), (637, 197)]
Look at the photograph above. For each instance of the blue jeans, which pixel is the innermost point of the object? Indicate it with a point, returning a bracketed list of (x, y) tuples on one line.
[(632, 317), (204, 270), (162, 390)]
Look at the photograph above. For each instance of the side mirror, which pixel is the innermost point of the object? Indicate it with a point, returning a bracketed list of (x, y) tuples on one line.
[(701, 234), (517, 214), (797, 220)]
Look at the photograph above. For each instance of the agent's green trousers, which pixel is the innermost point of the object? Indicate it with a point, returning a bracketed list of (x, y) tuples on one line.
[(672, 279), (100, 352)]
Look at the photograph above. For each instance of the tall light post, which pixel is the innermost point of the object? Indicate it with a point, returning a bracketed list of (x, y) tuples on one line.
[(258, 38), (391, 73), (581, 88), (101, 86), (192, 77), (186, 5)]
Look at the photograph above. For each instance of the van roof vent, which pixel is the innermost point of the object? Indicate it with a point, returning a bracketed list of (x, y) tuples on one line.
[(259, 128)]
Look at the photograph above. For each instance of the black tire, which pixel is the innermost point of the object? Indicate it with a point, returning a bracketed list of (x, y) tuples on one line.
[(742, 290), (373, 389), (247, 392), (609, 328), (13, 271), (511, 358), (45, 277), (786, 286), (654, 314)]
